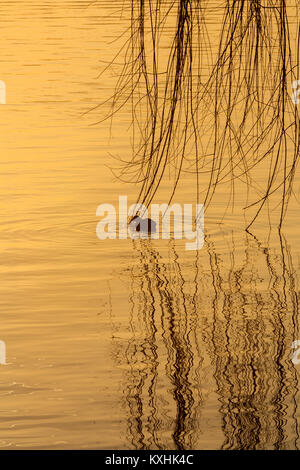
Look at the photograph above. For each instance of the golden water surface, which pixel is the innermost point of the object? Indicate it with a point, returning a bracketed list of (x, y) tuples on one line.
[(121, 344)]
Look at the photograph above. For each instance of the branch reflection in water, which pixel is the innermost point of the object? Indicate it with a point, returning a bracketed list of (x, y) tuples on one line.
[(207, 355)]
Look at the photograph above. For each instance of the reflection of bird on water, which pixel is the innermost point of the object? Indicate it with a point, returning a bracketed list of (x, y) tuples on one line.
[(142, 225)]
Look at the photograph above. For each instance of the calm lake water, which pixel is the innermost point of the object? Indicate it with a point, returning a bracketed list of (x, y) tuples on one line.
[(121, 344)]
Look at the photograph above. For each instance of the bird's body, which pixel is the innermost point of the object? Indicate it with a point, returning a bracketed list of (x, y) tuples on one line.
[(142, 225)]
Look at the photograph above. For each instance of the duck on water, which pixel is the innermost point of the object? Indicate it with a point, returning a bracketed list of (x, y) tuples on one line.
[(139, 224)]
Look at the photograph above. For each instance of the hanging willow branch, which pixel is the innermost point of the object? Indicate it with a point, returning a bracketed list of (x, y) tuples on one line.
[(220, 111)]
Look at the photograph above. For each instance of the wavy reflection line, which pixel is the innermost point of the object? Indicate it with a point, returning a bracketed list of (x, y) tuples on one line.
[(166, 311), (218, 325), (251, 336)]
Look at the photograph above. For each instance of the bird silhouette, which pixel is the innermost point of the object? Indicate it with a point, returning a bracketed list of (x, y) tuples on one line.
[(139, 224)]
